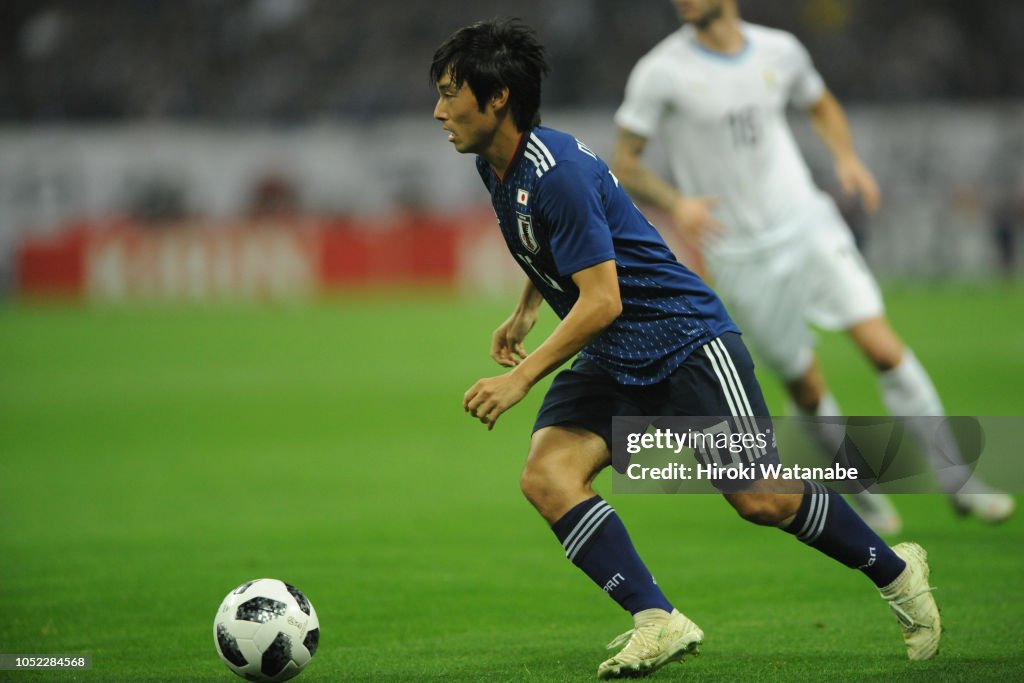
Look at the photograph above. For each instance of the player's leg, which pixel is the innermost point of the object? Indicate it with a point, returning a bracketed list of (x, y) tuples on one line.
[(847, 297), (820, 518), (907, 390), (811, 397), (813, 513), (570, 446), (770, 300), (823, 520), (731, 388), (808, 390), (563, 462)]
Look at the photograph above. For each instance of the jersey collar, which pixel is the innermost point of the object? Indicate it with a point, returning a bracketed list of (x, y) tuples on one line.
[(520, 146), (691, 37)]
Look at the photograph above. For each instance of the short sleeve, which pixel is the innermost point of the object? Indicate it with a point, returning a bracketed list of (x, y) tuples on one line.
[(645, 100), (569, 199), (808, 86)]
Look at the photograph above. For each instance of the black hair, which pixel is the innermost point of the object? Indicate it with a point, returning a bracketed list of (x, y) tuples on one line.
[(495, 54)]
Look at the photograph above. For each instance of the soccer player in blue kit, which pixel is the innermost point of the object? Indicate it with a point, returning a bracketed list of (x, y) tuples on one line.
[(650, 339)]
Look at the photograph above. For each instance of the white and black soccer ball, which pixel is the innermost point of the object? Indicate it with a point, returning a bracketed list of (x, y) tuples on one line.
[(266, 630)]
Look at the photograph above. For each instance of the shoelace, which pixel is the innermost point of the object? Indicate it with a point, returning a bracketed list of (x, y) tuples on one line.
[(905, 619)]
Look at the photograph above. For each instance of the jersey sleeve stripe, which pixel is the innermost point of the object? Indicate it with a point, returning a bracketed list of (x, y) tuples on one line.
[(545, 160), (542, 147), (540, 166)]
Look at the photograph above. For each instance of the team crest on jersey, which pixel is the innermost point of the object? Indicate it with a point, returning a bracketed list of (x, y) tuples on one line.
[(526, 235), (522, 196)]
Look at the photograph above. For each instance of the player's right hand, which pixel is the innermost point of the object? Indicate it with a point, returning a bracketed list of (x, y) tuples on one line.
[(489, 397), (507, 341), (695, 221)]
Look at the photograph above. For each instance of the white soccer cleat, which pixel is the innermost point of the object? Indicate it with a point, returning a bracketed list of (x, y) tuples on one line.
[(910, 598), (993, 506), (657, 639), (878, 512)]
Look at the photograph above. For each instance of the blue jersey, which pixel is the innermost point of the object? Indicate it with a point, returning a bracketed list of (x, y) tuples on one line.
[(561, 210)]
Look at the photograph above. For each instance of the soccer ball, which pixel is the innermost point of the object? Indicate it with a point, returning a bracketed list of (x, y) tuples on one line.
[(266, 630)]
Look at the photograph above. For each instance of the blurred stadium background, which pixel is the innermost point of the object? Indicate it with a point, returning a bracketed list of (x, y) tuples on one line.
[(243, 147), (269, 174)]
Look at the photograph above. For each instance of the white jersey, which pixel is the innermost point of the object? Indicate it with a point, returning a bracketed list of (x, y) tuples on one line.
[(722, 119)]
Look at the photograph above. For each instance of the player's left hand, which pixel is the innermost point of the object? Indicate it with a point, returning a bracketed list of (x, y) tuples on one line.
[(507, 341), (490, 397), (856, 179)]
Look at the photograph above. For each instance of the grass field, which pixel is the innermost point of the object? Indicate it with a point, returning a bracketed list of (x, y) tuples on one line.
[(151, 459)]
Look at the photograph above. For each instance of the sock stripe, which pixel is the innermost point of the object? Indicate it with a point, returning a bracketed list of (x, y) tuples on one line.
[(582, 524), (597, 543), (815, 523), (810, 515), (591, 529), (820, 524)]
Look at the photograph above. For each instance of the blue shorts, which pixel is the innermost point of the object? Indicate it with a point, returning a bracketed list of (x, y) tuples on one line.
[(716, 380)]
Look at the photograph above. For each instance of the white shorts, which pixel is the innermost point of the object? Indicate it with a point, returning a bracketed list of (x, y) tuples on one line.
[(776, 294)]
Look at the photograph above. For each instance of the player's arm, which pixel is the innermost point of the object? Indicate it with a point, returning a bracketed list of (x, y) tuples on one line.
[(692, 215), (643, 184), (597, 307), (832, 127), (507, 341)]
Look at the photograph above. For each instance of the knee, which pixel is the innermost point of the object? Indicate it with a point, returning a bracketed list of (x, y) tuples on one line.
[(561, 464), (806, 393), (544, 489), (534, 483), (885, 359), (880, 344), (807, 397)]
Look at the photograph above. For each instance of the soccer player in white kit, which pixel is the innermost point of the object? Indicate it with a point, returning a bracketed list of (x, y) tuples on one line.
[(778, 251)]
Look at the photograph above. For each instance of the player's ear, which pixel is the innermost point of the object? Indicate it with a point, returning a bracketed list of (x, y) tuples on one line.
[(499, 100)]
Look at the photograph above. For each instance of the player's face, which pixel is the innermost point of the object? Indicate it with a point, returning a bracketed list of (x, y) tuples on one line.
[(469, 129), (700, 13)]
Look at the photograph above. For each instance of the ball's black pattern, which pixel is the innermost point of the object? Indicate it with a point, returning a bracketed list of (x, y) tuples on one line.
[(300, 598), (277, 655), (266, 630), (312, 640), (260, 609), (229, 646)]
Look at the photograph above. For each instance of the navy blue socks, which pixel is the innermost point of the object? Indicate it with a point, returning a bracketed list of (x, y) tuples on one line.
[(596, 541), (826, 522)]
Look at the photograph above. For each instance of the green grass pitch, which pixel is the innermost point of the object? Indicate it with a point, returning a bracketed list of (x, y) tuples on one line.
[(153, 458)]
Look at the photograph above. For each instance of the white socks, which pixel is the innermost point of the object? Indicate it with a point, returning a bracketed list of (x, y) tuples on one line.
[(829, 437), (907, 391)]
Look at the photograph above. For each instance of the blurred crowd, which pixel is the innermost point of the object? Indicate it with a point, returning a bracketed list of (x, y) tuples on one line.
[(295, 61)]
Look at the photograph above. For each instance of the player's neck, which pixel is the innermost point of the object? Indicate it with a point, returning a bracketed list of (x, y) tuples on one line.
[(502, 148), (723, 35)]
